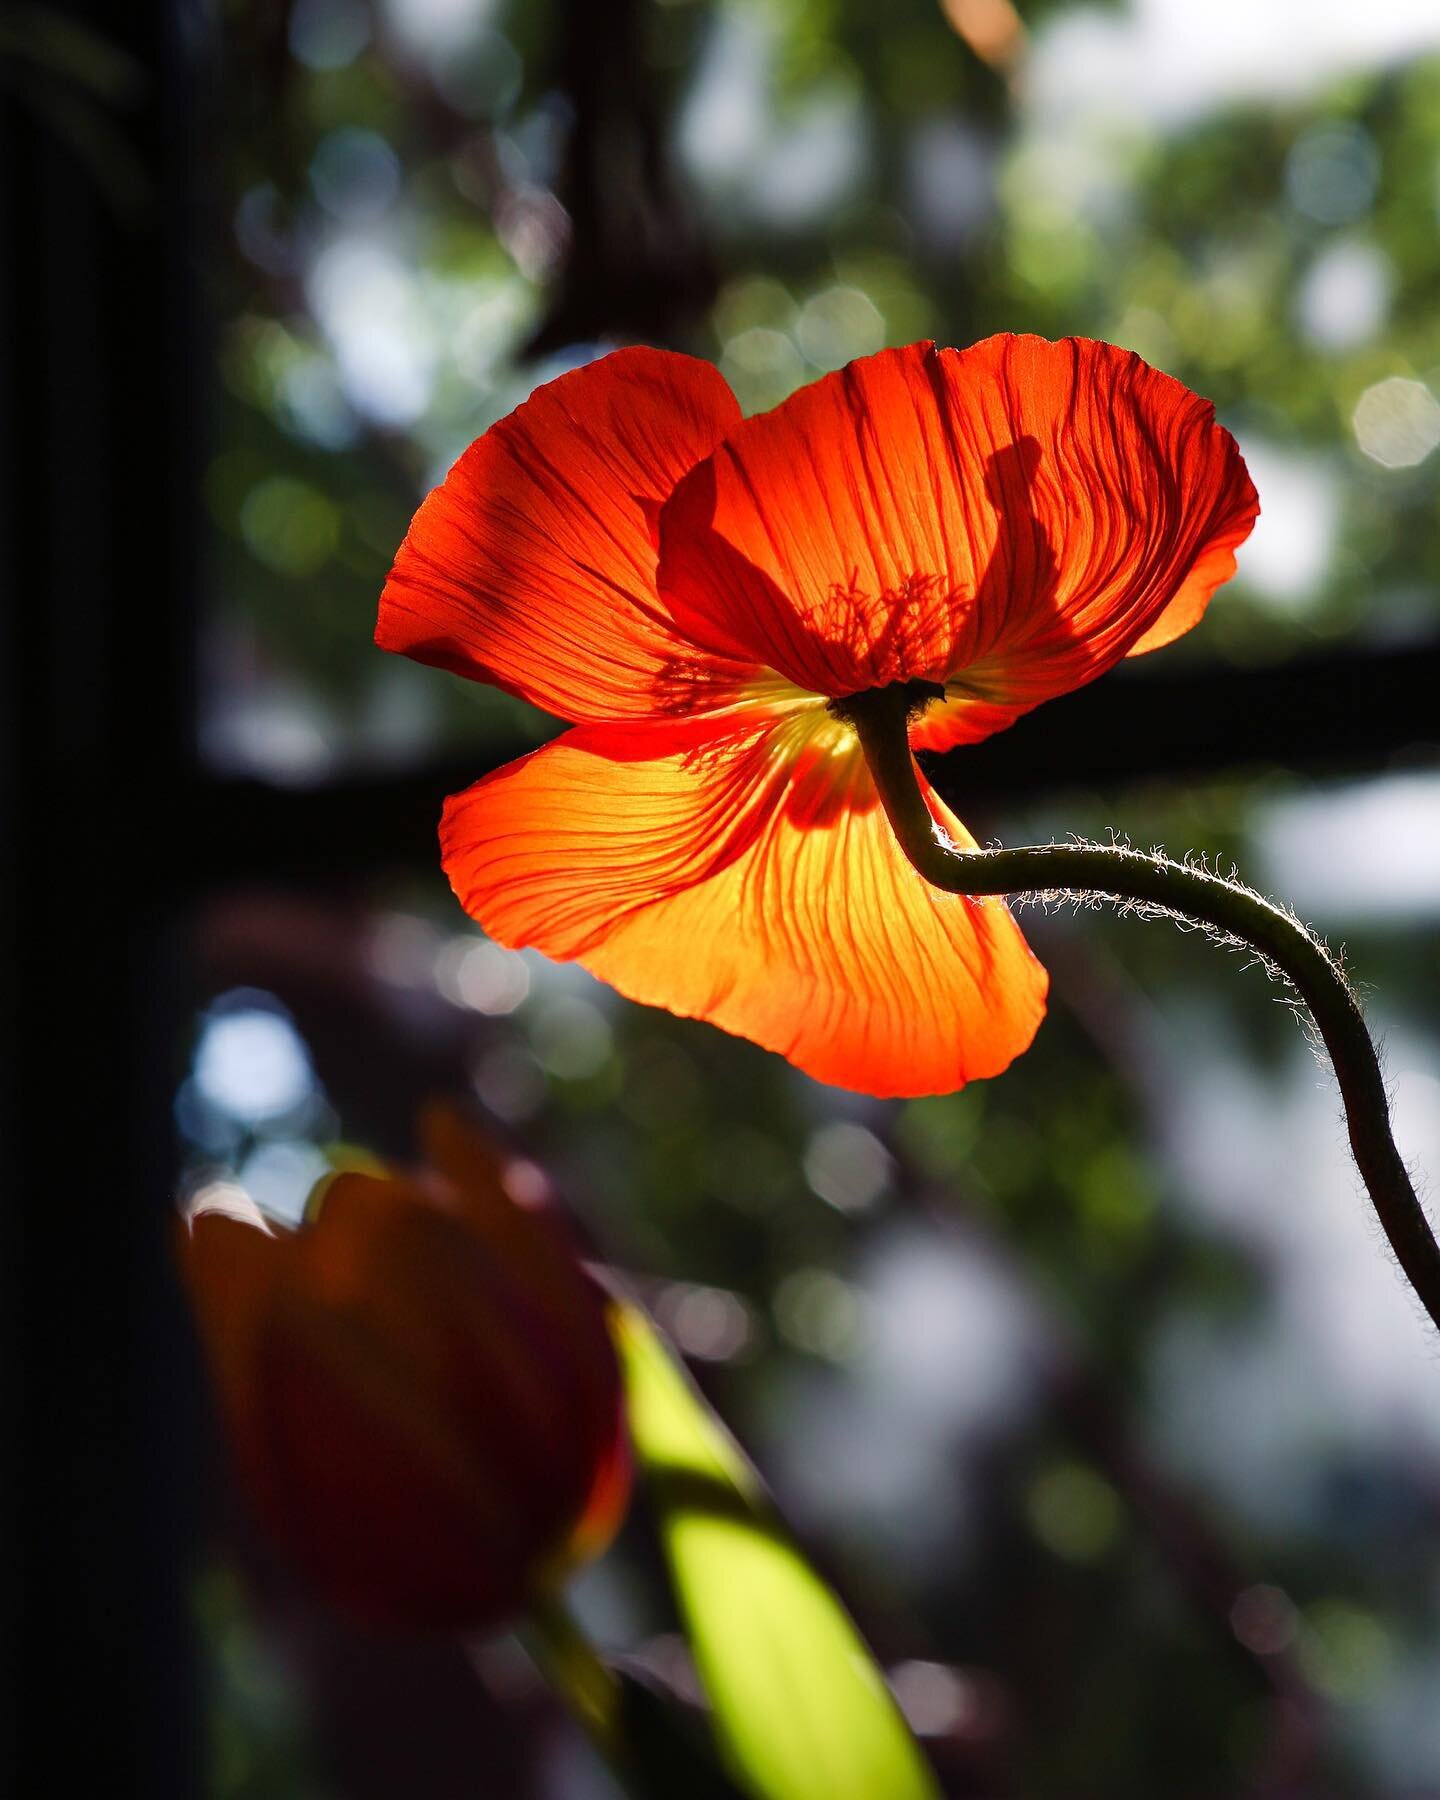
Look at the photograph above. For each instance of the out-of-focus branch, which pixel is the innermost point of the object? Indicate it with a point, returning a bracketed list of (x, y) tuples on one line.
[(636, 266)]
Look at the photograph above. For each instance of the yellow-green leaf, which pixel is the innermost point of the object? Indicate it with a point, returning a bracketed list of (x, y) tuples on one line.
[(800, 1707)]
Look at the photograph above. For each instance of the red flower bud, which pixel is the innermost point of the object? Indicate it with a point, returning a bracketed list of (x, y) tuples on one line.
[(419, 1389)]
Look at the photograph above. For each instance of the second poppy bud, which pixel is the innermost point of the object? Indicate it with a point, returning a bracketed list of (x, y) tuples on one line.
[(419, 1389)]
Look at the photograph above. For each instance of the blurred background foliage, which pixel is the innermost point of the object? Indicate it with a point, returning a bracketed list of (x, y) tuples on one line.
[(793, 186), (1091, 1387)]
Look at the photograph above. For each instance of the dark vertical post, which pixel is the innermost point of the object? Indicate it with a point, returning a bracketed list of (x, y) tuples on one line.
[(98, 477)]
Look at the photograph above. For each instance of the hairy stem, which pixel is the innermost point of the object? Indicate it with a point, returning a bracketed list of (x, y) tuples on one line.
[(1118, 873)]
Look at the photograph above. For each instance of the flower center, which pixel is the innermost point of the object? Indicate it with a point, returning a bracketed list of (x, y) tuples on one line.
[(908, 697)]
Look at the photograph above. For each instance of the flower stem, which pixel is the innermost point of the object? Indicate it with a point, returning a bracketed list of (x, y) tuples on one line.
[(655, 1746), (570, 1663), (1116, 872)]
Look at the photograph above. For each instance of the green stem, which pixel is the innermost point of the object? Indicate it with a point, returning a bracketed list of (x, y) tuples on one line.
[(570, 1663), (655, 1749), (1115, 872)]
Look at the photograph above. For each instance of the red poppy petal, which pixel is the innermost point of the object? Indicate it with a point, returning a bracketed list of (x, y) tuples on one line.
[(1212, 570), (533, 565), (232, 1271), (482, 1406), (753, 882), (470, 1322), (401, 1514), (1011, 519), (949, 723)]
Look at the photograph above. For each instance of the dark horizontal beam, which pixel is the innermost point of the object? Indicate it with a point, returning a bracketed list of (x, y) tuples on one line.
[(1318, 716), (1331, 715)]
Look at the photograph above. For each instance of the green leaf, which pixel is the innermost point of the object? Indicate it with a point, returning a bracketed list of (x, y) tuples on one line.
[(800, 1707)]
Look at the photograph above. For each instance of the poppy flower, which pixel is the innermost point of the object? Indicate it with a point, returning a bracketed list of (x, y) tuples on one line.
[(419, 1389), (699, 595)]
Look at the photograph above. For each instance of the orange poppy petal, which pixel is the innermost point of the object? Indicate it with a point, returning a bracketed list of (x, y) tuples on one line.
[(533, 565), (1212, 570), (753, 882), (1010, 519)]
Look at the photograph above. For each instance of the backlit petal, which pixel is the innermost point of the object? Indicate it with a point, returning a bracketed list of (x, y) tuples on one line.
[(1212, 570), (1010, 519), (533, 565), (751, 880)]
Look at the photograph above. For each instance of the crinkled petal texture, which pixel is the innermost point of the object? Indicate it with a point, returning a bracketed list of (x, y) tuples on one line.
[(747, 875), (1011, 520), (533, 565)]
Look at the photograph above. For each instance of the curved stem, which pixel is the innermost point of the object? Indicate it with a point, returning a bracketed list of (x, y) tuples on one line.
[(1116, 872)]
